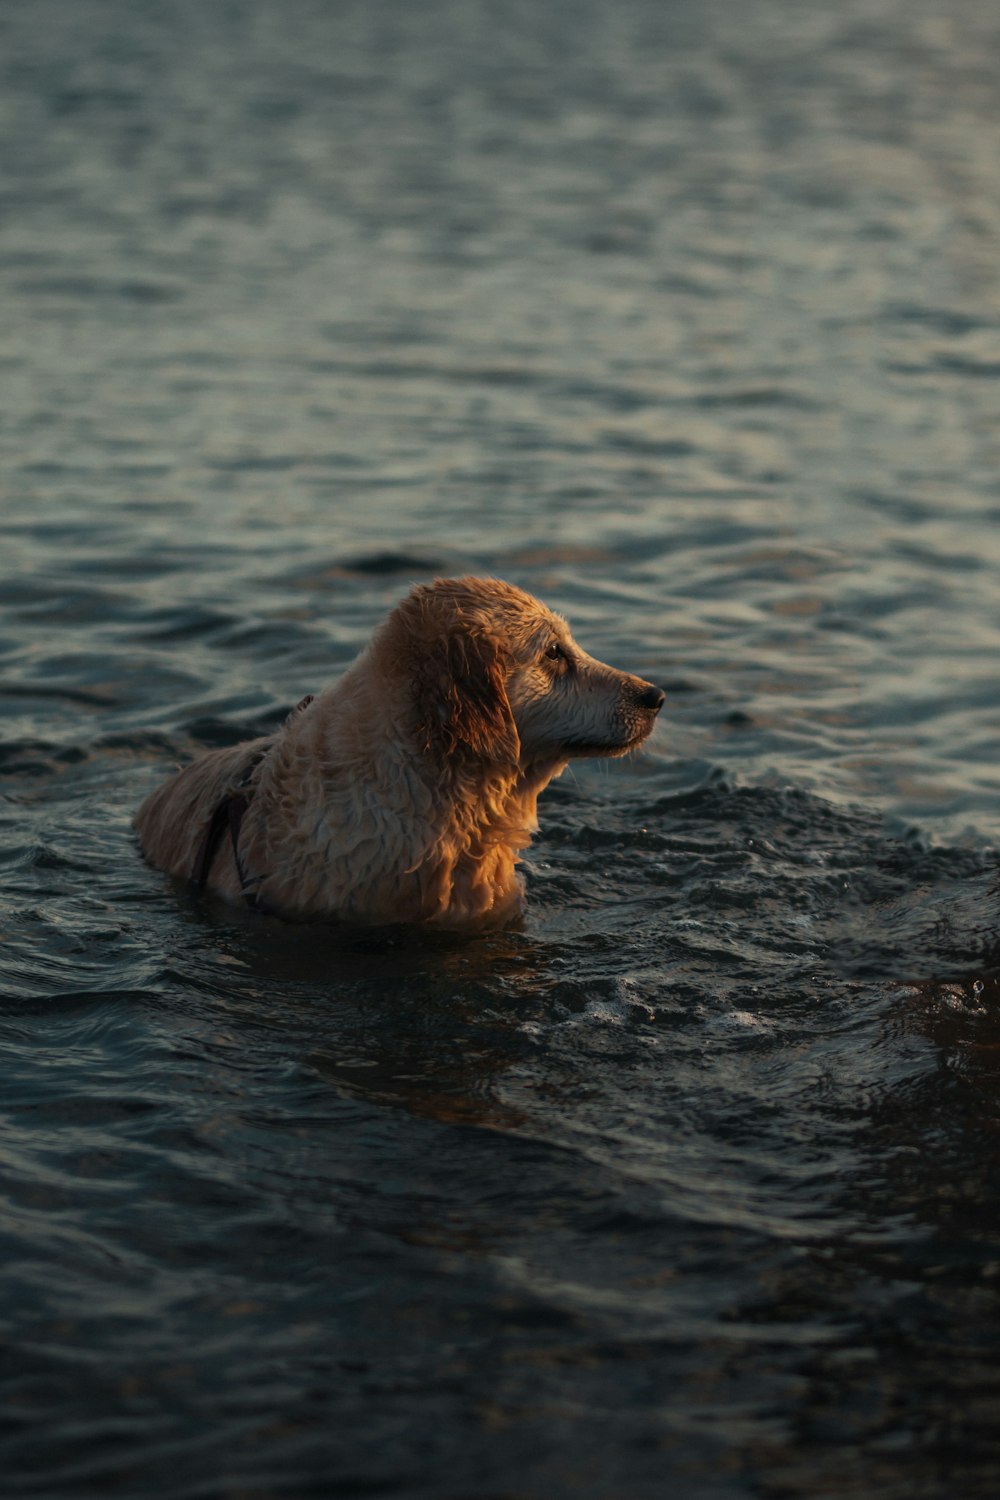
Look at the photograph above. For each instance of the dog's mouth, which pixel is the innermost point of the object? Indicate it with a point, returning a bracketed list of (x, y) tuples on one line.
[(634, 727), (627, 726), (607, 748)]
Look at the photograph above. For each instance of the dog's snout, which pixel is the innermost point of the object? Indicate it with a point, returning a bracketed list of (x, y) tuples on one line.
[(652, 697)]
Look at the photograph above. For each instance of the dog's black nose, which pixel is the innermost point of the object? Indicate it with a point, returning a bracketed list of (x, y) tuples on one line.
[(653, 698)]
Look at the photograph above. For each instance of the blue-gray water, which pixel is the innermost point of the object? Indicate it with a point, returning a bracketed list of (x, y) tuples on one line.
[(686, 317)]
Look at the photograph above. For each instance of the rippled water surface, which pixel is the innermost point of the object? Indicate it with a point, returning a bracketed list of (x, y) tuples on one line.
[(686, 317)]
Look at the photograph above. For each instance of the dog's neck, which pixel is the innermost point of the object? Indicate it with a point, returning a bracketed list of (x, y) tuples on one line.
[(467, 873), (404, 837)]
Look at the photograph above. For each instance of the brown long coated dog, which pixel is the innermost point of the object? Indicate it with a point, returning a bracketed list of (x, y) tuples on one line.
[(406, 791)]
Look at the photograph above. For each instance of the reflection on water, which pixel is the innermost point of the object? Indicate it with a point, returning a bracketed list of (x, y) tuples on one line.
[(684, 318)]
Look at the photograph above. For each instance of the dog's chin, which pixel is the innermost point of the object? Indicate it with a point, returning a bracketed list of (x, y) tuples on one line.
[(605, 750)]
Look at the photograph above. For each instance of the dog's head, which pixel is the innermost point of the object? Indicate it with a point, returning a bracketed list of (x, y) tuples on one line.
[(495, 675)]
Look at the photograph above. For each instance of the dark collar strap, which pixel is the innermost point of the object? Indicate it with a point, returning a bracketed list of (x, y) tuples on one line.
[(230, 814), (209, 844)]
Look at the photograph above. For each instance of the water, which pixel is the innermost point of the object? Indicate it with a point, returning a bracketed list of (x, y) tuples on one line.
[(684, 317)]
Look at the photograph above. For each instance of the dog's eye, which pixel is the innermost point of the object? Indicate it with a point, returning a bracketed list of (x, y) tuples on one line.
[(555, 652)]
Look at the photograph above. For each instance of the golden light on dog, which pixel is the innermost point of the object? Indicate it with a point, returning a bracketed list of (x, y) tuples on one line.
[(406, 791)]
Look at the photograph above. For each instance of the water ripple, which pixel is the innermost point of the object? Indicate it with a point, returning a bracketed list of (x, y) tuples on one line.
[(685, 319)]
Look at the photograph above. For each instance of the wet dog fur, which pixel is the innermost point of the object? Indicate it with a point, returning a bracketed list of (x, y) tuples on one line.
[(406, 791)]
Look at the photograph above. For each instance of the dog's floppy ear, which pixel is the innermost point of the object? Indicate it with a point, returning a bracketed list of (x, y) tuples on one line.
[(457, 667), (465, 694)]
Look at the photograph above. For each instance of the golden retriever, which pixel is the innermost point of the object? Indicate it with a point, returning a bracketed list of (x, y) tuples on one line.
[(406, 791)]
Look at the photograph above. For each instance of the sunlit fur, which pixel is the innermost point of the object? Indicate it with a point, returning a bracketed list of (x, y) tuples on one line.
[(406, 791)]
